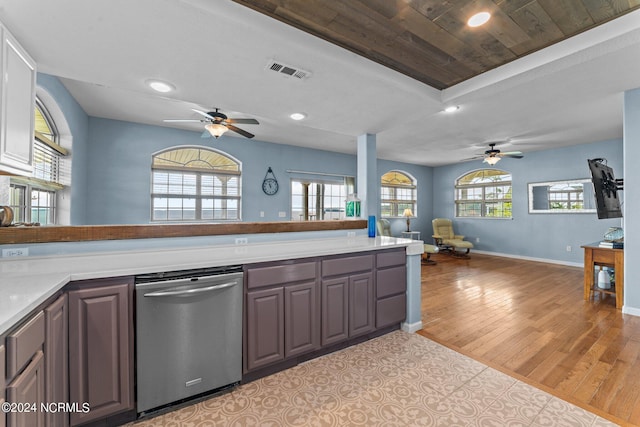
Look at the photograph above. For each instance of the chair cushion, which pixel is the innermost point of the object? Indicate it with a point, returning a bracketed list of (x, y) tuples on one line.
[(458, 243), (430, 249)]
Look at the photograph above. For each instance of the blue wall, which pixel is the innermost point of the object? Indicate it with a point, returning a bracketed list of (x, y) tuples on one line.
[(543, 236), (78, 122), (112, 158)]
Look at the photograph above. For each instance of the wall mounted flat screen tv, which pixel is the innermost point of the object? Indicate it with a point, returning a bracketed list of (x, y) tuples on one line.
[(606, 189)]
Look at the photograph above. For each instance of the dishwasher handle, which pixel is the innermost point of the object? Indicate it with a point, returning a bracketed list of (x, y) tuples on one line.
[(188, 292)]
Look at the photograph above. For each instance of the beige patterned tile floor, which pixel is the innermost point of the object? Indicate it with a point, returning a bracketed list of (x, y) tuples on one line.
[(399, 379)]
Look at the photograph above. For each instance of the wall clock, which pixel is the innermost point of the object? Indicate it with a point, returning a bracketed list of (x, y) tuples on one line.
[(270, 183)]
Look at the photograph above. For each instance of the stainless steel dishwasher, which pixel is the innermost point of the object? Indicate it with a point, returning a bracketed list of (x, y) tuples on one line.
[(188, 334)]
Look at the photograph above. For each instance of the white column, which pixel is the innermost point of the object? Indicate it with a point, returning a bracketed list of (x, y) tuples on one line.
[(368, 186), (631, 206)]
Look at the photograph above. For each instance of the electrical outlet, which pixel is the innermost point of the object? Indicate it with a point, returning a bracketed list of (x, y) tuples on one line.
[(351, 234), (241, 241), (6, 253), (261, 214), (477, 240), (568, 248), (282, 214)]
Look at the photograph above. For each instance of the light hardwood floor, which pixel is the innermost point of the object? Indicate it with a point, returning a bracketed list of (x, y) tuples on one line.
[(529, 320)]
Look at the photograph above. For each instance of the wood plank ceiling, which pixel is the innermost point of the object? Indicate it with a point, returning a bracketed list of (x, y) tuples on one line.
[(429, 40)]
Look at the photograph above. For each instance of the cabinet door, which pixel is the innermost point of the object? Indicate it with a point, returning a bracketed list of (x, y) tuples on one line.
[(100, 350), (361, 304), (335, 310), (265, 327), (18, 103), (28, 387), (3, 416), (301, 324), (56, 362)]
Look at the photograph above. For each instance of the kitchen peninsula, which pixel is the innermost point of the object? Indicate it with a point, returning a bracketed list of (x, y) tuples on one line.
[(94, 295)]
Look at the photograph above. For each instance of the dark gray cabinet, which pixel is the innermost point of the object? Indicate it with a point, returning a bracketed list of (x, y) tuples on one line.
[(3, 416), (391, 288), (101, 348), (335, 310), (301, 319), (56, 360), (298, 309), (28, 387), (282, 315), (347, 298), (25, 370), (265, 327)]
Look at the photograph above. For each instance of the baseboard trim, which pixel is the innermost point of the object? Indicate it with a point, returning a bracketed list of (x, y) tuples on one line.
[(631, 310), (528, 258), (411, 327)]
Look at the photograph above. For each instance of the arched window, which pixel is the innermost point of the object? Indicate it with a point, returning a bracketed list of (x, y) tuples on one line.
[(195, 184), (397, 193), (484, 193), (33, 199)]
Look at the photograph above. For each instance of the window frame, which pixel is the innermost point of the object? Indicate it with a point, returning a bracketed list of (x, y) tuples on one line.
[(395, 202), (199, 174), (484, 201)]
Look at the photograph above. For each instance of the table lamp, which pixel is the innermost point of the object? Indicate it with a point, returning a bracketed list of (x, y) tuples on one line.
[(407, 213)]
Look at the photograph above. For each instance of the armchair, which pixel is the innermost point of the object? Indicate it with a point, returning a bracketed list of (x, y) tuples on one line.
[(447, 240), (383, 227)]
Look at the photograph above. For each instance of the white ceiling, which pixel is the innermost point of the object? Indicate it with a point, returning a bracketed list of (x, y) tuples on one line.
[(216, 52)]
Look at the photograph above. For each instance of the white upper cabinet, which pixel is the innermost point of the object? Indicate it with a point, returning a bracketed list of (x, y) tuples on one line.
[(17, 95)]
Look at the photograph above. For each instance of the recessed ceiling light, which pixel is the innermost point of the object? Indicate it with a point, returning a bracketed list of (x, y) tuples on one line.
[(160, 86), (298, 116), (451, 109), (478, 19)]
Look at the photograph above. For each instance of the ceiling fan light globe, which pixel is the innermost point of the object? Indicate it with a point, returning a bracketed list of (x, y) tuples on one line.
[(491, 160), (216, 129)]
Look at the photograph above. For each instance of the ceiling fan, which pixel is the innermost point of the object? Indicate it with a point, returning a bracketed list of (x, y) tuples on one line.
[(493, 155), (217, 123)]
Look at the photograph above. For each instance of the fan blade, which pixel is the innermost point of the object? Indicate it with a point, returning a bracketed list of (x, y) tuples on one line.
[(243, 121), (240, 131), (513, 156), (204, 114), (183, 121), (512, 153)]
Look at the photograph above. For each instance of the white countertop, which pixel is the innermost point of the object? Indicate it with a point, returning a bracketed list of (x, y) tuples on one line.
[(25, 283)]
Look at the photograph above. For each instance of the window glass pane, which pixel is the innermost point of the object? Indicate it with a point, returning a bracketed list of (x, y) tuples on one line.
[(469, 209), (18, 202), (42, 206), (160, 208)]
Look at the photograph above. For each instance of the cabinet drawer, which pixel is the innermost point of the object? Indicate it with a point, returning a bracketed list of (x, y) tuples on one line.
[(2, 374), (389, 259), (391, 281), (391, 310), (23, 344), (280, 274), (346, 265)]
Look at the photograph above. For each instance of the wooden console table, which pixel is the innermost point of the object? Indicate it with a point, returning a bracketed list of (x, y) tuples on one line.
[(594, 256)]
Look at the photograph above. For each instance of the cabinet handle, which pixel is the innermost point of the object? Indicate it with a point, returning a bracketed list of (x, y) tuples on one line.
[(187, 292)]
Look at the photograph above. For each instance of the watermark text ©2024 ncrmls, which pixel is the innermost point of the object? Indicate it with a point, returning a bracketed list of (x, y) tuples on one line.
[(47, 407)]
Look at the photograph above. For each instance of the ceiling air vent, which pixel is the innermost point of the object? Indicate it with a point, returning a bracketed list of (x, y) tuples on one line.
[(288, 70)]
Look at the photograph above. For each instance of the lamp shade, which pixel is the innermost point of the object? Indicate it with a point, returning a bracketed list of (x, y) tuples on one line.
[(491, 160), (407, 213), (216, 129)]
